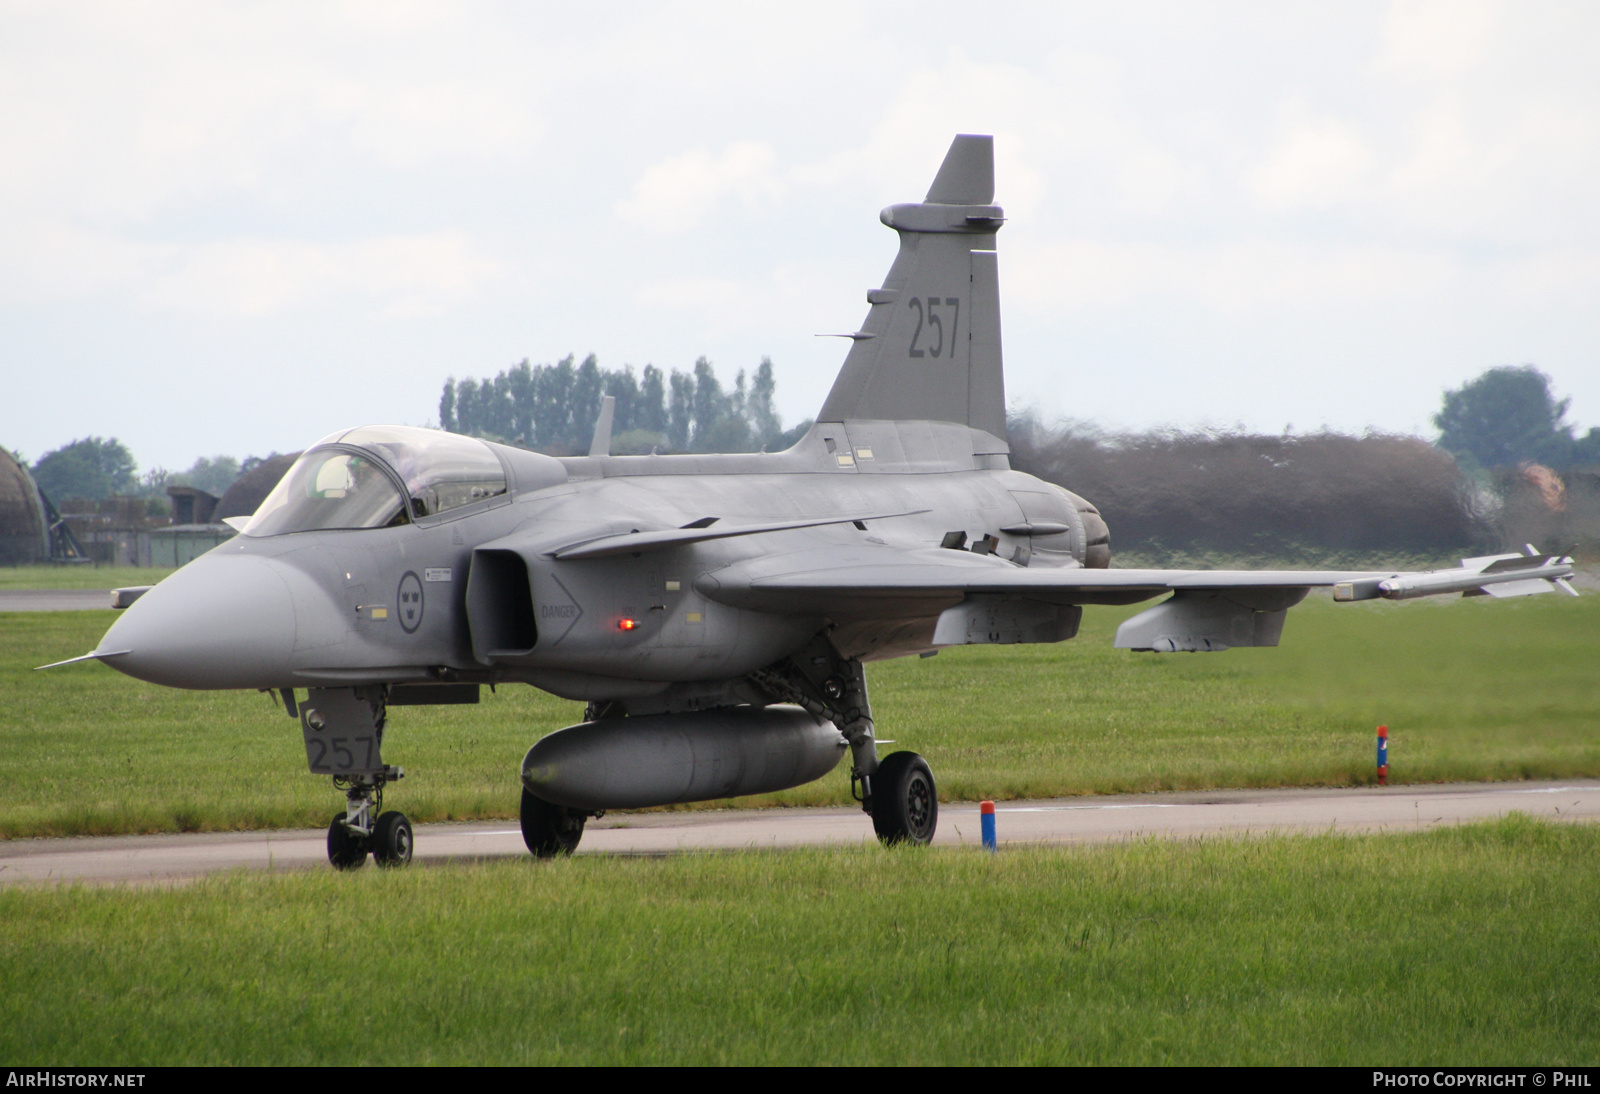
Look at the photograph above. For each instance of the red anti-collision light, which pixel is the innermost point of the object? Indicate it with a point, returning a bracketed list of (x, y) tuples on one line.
[(627, 624)]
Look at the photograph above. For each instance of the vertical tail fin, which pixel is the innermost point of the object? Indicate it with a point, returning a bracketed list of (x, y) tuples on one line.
[(930, 347), (600, 443)]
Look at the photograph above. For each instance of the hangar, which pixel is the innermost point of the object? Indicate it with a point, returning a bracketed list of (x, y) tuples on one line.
[(30, 528)]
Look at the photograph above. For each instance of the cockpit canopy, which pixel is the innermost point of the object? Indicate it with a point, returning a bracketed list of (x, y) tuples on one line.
[(378, 476)]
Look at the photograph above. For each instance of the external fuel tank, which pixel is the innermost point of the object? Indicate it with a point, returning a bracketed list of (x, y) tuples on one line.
[(663, 759)]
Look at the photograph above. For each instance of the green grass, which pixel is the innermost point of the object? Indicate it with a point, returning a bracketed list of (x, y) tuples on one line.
[(1469, 946), (1470, 690), (84, 576)]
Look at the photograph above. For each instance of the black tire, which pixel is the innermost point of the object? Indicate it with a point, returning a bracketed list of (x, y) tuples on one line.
[(346, 850), (391, 840), (550, 829), (905, 802)]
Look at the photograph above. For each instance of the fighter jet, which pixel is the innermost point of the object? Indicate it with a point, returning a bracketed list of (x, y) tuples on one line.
[(714, 612)]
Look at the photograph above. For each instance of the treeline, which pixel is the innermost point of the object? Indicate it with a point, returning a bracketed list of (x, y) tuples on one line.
[(97, 468), (1251, 494), (1508, 469), (553, 408)]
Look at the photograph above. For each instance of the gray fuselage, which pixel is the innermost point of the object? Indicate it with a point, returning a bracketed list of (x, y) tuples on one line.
[(475, 594)]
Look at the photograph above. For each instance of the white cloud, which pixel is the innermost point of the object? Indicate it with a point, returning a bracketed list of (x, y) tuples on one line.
[(719, 300), (1317, 164), (115, 113), (1555, 278), (1246, 277), (1437, 37), (793, 300), (676, 194), (393, 276), (398, 276)]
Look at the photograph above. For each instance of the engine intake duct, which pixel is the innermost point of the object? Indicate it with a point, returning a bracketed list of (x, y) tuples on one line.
[(499, 606), (664, 759)]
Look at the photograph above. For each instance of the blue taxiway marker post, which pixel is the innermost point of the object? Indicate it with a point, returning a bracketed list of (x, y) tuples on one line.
[(986, 812), (1383, 755)]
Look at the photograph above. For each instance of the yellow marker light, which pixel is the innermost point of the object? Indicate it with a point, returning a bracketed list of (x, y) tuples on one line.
[(693, 617), (380, 613)]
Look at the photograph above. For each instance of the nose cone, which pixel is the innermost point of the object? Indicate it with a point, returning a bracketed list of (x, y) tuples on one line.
[(222, 621)]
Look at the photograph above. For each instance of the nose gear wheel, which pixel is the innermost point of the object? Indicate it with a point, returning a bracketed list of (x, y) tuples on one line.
[(347, 850), (391, 840)]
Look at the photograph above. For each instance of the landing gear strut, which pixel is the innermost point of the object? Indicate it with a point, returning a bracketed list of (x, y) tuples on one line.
[(343, 730), (898, 792)]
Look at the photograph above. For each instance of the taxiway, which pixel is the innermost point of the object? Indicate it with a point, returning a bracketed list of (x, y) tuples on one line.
[(1398, 809)]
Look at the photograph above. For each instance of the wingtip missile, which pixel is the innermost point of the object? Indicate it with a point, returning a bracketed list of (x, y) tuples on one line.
[(1493, 575)]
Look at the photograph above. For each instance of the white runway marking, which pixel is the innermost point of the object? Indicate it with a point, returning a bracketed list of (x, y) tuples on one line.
[(1070, 808)]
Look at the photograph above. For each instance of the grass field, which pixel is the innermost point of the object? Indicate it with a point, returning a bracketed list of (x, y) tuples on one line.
[(1476, 945), (1470, 690), (79, 577)]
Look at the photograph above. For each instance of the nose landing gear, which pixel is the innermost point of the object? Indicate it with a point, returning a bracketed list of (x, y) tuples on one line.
[(343, 730), (353, 833)]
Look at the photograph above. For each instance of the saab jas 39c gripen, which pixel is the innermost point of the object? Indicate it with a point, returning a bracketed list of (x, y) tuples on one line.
[(713, 611)]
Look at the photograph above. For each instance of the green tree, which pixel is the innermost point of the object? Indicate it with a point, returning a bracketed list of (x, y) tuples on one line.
[(651, 414), (466, 406), (764, 420), (552, 403), (213, 475), (447, 406), (587, 386), (680, 410), (554, 407), (709, 404), (92, 467), (1505, 416), (520, 386)]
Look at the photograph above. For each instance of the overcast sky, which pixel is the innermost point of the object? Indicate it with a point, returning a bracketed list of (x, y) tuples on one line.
[(232, 228)]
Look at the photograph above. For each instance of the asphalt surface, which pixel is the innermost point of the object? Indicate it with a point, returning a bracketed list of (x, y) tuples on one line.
[(160, 859), (54, 600)]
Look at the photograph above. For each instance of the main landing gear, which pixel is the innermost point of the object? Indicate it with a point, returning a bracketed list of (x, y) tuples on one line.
[(550, 829), (343, 730), (898, 792)]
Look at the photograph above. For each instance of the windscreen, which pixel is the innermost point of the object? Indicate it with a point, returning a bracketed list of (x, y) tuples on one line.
[(337, 488), (329, 488)]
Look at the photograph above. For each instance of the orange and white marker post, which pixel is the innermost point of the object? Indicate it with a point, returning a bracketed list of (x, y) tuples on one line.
[(1383, 755)]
